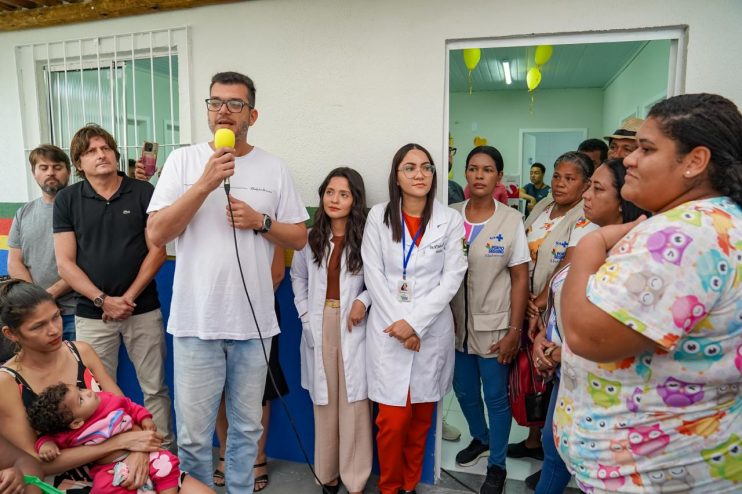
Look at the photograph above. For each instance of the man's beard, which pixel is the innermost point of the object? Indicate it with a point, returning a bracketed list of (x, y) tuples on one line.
[(53, 187), (241, 134)]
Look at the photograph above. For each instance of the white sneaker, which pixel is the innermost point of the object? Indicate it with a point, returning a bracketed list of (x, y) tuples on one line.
[(450, 433)]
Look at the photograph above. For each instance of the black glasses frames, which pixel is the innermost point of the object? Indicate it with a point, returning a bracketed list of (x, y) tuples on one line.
[(233, 105)]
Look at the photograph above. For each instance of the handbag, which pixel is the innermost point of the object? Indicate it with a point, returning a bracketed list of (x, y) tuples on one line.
[(528, 392)]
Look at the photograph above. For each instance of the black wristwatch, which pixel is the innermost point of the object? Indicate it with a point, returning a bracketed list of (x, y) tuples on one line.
[(267, 222), (98, 301)]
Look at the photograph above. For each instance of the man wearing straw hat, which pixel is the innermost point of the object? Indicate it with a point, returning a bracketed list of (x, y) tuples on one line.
[(623, 141)]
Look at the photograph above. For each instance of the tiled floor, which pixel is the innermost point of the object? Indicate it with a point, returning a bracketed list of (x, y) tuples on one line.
[(517, 469), (295, 478)]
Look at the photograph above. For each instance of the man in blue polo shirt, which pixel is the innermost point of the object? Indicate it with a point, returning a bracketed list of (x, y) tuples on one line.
[(103, 253)]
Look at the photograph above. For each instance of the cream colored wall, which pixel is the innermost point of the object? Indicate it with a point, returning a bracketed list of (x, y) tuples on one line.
[(349, 81)]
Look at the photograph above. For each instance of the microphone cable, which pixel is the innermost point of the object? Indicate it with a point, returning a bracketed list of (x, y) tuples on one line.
[(459, 481), (262, 344)]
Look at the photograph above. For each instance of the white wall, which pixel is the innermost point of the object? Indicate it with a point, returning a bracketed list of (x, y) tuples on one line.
[(349, 81), (498, 116), (642, 81)]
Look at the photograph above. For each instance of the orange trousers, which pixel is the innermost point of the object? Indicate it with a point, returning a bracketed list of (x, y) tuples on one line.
[(401, 444)]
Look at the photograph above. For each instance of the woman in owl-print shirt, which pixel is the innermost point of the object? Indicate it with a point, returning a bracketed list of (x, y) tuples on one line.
[(653, 354)]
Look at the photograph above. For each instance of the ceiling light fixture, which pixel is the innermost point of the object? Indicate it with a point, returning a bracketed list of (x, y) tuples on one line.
[(506, 69)]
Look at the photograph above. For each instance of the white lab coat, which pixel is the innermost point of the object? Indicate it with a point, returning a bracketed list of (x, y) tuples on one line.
[(435, 271), (309, 283)]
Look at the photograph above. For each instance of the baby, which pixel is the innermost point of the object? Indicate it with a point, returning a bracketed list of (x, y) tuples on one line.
[(66, 416)]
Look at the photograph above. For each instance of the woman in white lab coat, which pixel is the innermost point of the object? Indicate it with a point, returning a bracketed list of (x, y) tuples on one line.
[(327, 278), (413, 263)]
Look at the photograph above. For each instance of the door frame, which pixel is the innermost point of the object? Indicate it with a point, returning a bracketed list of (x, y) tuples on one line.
[(676, 34)]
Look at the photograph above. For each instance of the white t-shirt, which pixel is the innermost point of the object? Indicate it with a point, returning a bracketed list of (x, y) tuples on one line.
[(208, 298)]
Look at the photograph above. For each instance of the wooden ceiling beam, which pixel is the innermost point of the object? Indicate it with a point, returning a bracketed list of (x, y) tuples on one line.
[(25, 4), (91, 10), (49, 3)]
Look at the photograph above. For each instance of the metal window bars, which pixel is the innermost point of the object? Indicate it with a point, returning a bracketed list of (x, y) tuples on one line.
[(130, 84)]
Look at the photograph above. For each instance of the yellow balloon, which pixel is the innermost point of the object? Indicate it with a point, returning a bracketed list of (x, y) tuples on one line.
[(471, 57), (543, 54), (533, 78)]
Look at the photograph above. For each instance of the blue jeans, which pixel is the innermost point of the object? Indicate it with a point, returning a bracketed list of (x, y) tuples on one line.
[(68, 327), (554, 473), (471, 375), (202, 369)]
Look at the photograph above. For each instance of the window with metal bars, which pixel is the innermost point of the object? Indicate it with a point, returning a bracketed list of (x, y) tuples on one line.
[(130, 84)]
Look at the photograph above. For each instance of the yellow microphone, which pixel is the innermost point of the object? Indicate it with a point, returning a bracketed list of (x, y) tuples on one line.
[(224, 138)]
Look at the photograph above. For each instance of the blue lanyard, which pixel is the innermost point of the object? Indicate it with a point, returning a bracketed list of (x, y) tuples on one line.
[(406, 258)]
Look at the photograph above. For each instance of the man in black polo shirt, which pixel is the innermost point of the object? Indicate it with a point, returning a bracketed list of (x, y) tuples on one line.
[(103, 254)]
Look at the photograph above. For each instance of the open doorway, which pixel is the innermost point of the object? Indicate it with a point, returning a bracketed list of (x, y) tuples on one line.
[(545, 145), (591, 83)]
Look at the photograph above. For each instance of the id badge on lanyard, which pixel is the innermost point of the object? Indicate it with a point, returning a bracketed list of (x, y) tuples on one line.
[(404, 288)]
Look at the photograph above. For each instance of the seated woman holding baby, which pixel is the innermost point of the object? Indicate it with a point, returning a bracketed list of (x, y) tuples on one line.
[(30, 319)]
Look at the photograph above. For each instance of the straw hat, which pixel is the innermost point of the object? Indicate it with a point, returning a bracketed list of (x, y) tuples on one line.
[(627, 130)]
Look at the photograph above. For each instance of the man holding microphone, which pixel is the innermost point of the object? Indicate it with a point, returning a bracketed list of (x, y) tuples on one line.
[(217, 343)]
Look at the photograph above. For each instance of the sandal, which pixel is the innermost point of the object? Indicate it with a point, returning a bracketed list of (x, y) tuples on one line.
[(331, 489), (261, 481), (218, 475)]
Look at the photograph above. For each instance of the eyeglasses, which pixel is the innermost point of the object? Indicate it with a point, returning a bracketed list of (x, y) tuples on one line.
[(410, 170), (452, 151), (233, 105)]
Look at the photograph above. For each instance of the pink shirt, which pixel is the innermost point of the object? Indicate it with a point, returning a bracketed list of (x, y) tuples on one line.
[(114, 415)]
